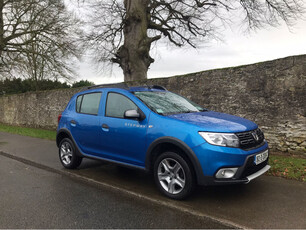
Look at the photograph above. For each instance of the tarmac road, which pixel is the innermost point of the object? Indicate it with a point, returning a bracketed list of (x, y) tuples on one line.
[(35, 198), (267, 202)]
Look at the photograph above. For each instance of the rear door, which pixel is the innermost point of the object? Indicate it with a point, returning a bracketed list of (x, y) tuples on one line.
[(86, 124)]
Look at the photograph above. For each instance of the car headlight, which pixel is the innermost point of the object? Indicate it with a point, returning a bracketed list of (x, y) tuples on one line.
[(221, 139)]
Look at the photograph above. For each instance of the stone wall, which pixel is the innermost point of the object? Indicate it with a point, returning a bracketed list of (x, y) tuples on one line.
[(34, 109), (273, 94)]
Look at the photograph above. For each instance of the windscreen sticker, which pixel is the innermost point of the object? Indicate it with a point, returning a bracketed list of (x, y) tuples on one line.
[(159, 110)]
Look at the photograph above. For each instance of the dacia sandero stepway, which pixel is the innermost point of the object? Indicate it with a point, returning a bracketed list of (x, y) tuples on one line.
[(152, 129)]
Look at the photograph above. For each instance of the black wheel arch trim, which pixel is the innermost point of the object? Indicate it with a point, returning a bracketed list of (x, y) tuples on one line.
[(183, 146), (66, 131)]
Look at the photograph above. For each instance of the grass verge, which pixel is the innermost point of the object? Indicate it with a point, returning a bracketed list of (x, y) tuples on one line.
[(288, 167), (39, 133), (281, 166)]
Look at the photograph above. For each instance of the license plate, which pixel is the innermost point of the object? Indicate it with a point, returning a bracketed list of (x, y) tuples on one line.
[(259, 158)]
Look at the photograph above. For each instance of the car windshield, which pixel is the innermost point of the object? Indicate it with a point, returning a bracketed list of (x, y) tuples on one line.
[(167, 103)]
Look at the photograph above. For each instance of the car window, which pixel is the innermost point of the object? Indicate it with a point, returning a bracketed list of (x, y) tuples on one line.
[(90, 103), (117, 104), (78, 103)]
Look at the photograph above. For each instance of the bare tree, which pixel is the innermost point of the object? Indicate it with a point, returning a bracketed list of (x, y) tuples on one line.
[(123, 31), (37, 39)]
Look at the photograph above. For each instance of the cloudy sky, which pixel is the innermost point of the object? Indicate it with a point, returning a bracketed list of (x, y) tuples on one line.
[(237, 48)]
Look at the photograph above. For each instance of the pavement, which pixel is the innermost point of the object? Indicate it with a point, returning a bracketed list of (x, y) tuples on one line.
[(267, 202)]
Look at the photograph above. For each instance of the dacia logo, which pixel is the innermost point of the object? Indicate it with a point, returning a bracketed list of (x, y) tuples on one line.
[(255, 136)]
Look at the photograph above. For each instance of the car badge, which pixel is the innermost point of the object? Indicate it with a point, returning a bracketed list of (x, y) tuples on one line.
[(254, 134)]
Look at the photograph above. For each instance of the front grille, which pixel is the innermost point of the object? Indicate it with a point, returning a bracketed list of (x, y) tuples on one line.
[(251, 167), (248, 139)]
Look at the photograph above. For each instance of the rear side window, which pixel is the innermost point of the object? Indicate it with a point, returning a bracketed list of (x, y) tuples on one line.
[(88, 103), (78, 103), (117, 104)]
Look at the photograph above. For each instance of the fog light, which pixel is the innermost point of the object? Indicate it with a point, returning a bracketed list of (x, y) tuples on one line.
[(226, 173)]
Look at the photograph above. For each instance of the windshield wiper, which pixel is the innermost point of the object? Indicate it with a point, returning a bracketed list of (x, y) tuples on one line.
[(189, 111), (180, 112)]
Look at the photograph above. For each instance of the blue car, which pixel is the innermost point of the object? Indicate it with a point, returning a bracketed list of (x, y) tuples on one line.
[(152, 129)]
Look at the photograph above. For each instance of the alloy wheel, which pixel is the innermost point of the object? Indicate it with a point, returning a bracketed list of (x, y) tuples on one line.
[(171, 176), (66, 153)]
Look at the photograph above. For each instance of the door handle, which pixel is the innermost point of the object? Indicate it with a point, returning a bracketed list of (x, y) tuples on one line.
[(105, 127), (73, 123)]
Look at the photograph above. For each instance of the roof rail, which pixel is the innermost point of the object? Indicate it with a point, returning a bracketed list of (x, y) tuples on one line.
[(151, 87), (118, 85), (122, 86), (158, 87)]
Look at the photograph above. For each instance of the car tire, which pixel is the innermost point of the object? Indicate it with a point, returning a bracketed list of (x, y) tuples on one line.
[(67, 154), (173, 175)]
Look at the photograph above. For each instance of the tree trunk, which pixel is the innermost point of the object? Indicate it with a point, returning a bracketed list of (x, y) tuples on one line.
[(1, 28), (133, 56)]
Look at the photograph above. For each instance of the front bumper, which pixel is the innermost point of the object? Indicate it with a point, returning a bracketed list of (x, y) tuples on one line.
[(212, 181), (212, 158)]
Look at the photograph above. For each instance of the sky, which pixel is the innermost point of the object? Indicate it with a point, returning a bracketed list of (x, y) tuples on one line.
[(237, 48)]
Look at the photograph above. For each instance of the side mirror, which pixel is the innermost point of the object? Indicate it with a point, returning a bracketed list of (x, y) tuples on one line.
[(131, 114), (134, 114)]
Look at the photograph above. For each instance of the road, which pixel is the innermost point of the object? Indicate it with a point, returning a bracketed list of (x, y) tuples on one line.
[(35, 198), (267, 202)]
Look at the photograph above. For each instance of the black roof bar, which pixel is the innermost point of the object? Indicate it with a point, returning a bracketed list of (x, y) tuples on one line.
[(152, 87), (118, 85), (158, 87), (122, 86)]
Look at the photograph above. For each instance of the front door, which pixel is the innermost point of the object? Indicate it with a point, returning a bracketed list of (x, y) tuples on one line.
[(123, 139)]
